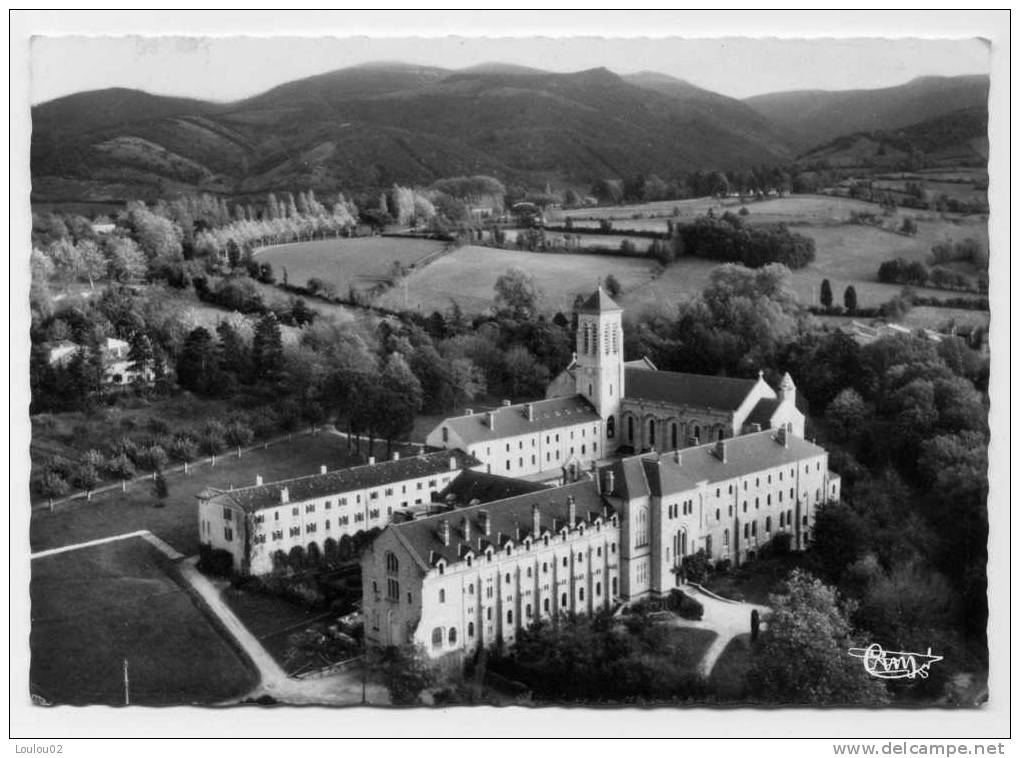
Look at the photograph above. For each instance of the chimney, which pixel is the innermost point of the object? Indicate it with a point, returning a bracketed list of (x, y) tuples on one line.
[(371, 460), (491, 419), (322, 469), (396, 456), (781, 437), (720, 450), (506, 403), (571, 511), (485, 522), (465, 525), (536, 520), (258, 480), (529, 410), (444, 531), (284, 495), (610, 482), (469, 412), (453, 463)]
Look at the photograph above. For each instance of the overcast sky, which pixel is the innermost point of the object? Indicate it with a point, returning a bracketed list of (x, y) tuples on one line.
[(229, 68)]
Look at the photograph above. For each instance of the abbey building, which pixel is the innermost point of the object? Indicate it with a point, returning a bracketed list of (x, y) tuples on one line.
[(649, 466)]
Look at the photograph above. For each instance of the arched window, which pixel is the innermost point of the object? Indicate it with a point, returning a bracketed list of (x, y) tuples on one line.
[(641, 531), (509, 617), (697, 432), (527, 610), (674, 435), (589, 389), (508, 578), (437, 637), (545, 605), (611, 427), (586, 332), (768, 524), (630, 428), (614, 587), (708, 545), (598, 589), (392, 564), (719, 434), (580, 594), (563, 600), (488, 614), (471, 588), (442, 596), (471, 629), (726, 538), (651, 432), (453, 636)]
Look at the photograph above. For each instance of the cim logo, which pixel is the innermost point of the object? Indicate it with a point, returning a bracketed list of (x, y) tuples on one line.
[(894, 664)]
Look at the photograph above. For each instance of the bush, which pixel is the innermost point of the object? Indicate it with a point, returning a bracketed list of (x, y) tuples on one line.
[(697, 567), (685, 606), (215, 561)]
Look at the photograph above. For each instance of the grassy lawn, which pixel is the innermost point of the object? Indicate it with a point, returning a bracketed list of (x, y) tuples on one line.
[(93, 608), (468, 274), (728, 679), (346, 262), (116, 512), (687, 646)]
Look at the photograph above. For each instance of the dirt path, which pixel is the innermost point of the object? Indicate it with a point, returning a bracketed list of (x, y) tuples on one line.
[(68, 548)]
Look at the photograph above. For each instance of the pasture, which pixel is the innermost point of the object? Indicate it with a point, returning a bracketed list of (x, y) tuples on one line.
[(177, 522), (95, 607), (344, 263), (469, 274)]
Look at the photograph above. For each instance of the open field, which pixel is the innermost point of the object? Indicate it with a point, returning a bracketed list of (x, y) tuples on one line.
[(177, 522), (344, 263), (95, 607), (468, 274)]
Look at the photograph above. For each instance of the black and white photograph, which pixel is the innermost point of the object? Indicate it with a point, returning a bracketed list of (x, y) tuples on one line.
[(451, 373)]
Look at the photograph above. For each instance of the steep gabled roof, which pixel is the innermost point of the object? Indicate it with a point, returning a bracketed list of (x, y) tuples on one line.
[(697, 390), (599, 302), (510, 520), (762, 412), (513, 420), (345, 480), (660, 475), (478, 485)]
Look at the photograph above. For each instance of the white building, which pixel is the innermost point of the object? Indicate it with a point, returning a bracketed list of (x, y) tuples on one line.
[(255, 524), (601, 403), (478, 574)]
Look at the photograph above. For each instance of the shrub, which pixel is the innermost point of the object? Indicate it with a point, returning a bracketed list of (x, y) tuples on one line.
[(685, 606), (697, 567), (215, 561)]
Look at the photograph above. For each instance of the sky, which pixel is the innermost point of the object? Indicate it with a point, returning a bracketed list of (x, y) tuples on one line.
[(229, 68)]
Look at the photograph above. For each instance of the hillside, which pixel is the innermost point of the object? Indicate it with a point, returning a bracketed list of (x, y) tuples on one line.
[(814, 117), (956, 138), (366, 127)]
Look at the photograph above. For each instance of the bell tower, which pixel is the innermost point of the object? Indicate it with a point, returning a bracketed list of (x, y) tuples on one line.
[(599, 372)]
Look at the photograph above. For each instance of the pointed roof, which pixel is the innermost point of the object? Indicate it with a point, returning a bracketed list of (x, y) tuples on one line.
[(787, 382), (599, 302)]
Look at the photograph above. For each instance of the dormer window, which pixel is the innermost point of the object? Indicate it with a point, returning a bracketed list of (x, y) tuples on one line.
[(468, 561)]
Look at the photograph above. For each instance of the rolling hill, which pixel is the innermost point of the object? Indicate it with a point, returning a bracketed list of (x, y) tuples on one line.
[(814, 117), (956, 138), (365, 127), (370, 126)]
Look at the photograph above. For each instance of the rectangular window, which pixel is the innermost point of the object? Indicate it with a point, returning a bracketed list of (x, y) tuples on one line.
[(310, 528), (374, 495), (432, 482), (226, 514), (295, 511), (228, 534), (310, 508), (328, 505), (388, 492), (327, 524)]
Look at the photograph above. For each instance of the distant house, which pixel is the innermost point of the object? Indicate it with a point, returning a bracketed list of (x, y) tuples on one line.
[(864, 334), (105, 228), (117, 368)]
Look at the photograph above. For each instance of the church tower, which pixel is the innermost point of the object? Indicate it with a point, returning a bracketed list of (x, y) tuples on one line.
[(598, 372)]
